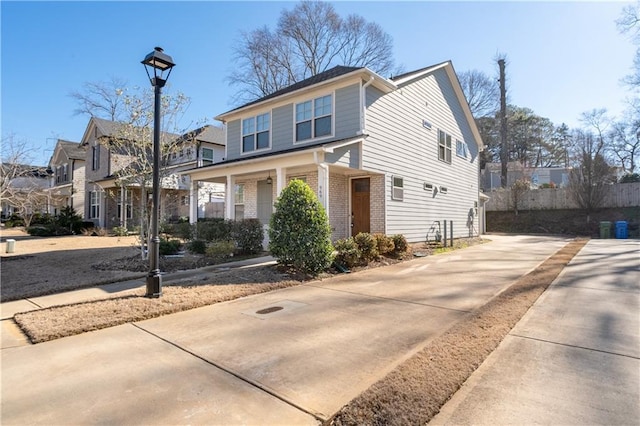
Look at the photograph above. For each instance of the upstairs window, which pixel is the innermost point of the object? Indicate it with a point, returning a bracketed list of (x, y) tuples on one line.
[(255, 132), (207, 156), (444, 147), (65, 173), (313, 118), (95, 157), (461, 149)]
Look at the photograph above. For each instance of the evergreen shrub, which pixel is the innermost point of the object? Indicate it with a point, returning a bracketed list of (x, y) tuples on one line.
[(299, 231)]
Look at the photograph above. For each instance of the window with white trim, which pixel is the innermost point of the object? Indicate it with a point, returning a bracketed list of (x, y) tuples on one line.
[(207, 156), (255, 132), (128, 204), (397, 188), (314, 117), (185, 200), (239, 201), (461, 149), (94, 205), (444, 147)]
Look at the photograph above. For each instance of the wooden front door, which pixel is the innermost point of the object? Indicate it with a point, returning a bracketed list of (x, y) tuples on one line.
[(360, 209)]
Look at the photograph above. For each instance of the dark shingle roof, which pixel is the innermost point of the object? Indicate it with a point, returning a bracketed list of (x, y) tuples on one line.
[(73, 150), (334, 72), (208, 133)]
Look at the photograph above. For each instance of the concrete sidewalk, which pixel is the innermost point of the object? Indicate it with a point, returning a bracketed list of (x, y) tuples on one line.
[(574, 358), (292, 356)]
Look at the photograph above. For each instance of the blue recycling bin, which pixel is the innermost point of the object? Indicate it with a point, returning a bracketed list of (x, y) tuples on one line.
[(622, 231)]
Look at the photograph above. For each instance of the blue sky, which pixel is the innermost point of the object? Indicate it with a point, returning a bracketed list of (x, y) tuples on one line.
[(562, 58)]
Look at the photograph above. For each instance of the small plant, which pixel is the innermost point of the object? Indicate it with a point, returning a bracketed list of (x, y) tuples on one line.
[(168, 247), (385, 244), (368, 247), (400, 244), (120, 231), (220, 249), (347, 252), (197, 246)]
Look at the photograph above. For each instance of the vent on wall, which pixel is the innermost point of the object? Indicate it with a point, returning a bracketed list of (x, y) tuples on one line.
[(428, 187), (443, 189)]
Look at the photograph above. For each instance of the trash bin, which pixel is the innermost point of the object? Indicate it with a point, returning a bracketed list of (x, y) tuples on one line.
[(605, 229), (11, 245), (621, 230)]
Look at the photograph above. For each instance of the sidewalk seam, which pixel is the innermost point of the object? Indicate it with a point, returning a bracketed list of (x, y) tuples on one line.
[(318, 416), (574, 346)]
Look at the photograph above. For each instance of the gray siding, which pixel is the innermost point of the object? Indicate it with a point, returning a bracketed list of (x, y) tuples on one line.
[(347, 113), (233, 139), (399, 144), (347, 156), (282, 128)]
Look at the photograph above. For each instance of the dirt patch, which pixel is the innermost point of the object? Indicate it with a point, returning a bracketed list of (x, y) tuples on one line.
[(415, 391)]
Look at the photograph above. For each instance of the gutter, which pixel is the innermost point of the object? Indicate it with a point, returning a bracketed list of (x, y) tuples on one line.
[(363, 110)]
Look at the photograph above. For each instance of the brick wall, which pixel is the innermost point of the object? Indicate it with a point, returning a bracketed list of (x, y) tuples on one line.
[(377, 203)]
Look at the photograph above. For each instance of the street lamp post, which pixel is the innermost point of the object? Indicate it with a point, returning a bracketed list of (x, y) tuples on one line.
[(160, 63)]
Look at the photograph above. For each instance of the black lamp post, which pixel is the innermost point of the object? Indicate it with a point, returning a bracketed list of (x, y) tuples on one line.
[(160, 63)]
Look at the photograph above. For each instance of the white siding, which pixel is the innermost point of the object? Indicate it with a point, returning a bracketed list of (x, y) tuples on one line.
[(399, 144)]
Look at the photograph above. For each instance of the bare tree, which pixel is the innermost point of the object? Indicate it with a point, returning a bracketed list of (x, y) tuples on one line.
[(629, 23), (482, 93), (308, 40), (104, 99), (589, 179), (16, 156), (625, 139)]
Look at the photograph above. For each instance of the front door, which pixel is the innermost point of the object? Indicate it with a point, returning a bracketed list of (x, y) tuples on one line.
[(360, 209), (265, 201)]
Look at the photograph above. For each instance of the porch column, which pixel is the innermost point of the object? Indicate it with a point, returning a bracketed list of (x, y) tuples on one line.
[(193, 201), (323, 186), (280, 178), (229, 196)]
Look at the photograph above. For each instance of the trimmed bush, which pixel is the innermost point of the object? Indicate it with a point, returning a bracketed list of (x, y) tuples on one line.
[(248, 235), (184, 230), (120, 231), (168, 247), (385, 244), (400, 244), (348, 253), (220, 249), (214, 230), (197, 246), (299, 230), (368, 246)]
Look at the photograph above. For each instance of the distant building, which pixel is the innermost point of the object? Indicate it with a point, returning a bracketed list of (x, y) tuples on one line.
[(538, 176)]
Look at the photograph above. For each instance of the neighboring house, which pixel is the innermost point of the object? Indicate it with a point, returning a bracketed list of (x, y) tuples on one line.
[(24, 189), (67, 168), (396, 156), (555, 176), (114, 198)]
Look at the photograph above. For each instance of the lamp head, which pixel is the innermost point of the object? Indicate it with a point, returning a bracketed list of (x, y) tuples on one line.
[(160, 63)]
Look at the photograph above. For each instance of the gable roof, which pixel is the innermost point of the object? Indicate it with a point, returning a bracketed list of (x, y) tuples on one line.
[(73, 150), (334, 73), (116, 128), (208, 133), (447, 66)]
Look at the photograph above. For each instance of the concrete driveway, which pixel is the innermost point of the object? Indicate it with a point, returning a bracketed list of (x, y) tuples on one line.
[(293, 356), (574, 358)]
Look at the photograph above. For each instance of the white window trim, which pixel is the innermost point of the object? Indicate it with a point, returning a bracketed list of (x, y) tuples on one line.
[(465, 149), (203, 159), (449, 148), (255, 133), (397, 189), (94, 203), (313, 117), (128, 197)]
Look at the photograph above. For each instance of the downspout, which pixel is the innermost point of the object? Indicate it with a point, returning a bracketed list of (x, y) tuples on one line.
[(363, 111)]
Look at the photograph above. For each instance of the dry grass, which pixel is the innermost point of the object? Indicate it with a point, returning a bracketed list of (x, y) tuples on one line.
[(61, 321), (414, 392)]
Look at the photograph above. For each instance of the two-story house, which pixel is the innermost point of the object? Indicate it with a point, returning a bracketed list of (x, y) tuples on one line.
[(383, 155), (116, 191), (67, 167)]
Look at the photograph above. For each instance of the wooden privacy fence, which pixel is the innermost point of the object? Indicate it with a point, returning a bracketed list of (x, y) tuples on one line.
[(618, 195)]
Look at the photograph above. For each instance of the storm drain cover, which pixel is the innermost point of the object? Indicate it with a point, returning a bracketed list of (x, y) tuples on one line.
[(269, 310), (275, 309)]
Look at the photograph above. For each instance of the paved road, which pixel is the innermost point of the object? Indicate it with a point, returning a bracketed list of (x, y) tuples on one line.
[(229, 364), (574, 358)]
